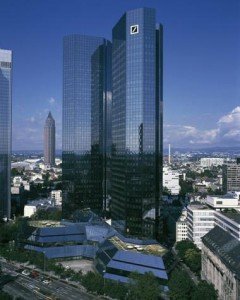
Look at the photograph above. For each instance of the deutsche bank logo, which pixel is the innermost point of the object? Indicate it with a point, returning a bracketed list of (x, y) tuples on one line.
[(134, 29)]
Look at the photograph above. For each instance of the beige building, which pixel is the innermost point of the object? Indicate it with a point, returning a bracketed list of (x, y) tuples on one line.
[(221, 263)]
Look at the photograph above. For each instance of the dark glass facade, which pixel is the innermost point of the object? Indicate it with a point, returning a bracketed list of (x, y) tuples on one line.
[(5, 131), (136, 162), (86, 101)]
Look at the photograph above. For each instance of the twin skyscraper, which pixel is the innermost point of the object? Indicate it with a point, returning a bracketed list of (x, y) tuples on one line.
[(112, 124), (5, 132)]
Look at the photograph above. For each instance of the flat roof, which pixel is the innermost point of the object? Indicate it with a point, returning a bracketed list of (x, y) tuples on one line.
[(154, 249)]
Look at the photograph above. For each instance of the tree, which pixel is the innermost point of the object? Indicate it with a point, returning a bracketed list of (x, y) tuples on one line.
[(115, 290), (192, 258), (186, 187), (5, 296), (50, 214), (183, 246), (93, 282), (190, 254), (143, 287), (204, 290), (16, 172), (166, 191), (180, 285)]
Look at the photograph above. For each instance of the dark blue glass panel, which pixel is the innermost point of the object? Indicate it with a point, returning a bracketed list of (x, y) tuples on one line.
[(136, 163), (86, 105), (139, 258), (5, 131)]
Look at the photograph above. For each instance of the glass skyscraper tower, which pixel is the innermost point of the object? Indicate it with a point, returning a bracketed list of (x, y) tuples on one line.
[(5, 131), (86, 140), (49, 140), (136, 162)]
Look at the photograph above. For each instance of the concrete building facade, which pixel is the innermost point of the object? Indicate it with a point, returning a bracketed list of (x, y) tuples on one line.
[(181, 227), (200, 220), (221, 263)]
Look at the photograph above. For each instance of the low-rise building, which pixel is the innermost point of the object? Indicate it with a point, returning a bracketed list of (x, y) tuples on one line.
[(17, 180), (230, 200), (56, 195), (29, 210), (221, 263), (33, 206)]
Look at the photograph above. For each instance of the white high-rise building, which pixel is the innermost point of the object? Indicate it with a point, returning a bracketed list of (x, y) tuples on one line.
[(219, 211), (171, 180), (200, 220)]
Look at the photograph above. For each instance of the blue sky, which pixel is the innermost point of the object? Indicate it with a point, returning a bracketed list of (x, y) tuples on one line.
[(201, 63)]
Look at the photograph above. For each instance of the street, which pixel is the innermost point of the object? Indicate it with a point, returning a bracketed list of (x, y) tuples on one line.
[(30, 288)]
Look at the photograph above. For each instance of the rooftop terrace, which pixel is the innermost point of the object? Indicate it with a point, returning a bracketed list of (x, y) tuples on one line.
[(153, 249)]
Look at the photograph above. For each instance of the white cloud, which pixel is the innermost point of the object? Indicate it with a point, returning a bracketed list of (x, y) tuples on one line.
[(226, 132), (51, 101)]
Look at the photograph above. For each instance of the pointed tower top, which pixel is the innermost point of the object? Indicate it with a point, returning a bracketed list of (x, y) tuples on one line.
[(50, 115), (49, 120)]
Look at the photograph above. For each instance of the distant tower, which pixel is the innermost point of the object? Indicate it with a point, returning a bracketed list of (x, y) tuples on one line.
[(49, 141), (169, 154)]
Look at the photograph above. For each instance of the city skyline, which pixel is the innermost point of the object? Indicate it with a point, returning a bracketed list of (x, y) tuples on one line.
[(201, 91)]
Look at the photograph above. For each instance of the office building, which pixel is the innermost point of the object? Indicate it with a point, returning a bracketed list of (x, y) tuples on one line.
[(171, 180), (86, 118), (208, 162), (49, 141), (56, 195), (5, 132), (200, 220), (117, 258), (114, 256), (136, 159), (229, 201), (231, 176), (221, 263), (221, 211), (181, 227)]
